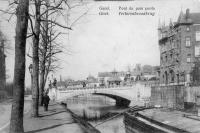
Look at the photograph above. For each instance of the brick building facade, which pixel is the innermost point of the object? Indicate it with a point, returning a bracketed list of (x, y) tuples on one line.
[(179, 44)]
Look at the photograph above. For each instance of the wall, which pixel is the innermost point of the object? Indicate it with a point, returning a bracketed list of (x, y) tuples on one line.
[(135, 125), (176, 97), (168, 96)]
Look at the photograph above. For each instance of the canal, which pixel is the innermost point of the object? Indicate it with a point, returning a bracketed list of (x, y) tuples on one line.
[(100, 111)]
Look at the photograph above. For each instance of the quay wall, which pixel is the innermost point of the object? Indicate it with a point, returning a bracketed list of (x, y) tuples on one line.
[(176, 97), (135, 125), (86, 126)]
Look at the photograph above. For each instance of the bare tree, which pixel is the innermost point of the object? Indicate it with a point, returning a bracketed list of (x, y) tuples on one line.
[(36, 39), (16, 123), (49, 48), (36, 18), (50, 62), (47, 54), (42, 54)]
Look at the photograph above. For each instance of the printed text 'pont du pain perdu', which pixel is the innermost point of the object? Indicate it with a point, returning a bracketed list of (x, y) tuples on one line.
[(127, 11)]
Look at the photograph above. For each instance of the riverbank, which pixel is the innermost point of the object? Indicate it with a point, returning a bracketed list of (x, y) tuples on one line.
[(114, 125), (161, 120), (55, 120), (5, 111), (111, 122), (86, 126)]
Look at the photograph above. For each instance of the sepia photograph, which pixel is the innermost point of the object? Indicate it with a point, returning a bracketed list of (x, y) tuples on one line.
[(99, 66)]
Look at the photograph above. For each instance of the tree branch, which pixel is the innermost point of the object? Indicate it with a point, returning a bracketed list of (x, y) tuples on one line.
[(56, 23)]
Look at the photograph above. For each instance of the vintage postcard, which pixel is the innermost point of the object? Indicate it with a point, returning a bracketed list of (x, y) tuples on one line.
[(100, 66)]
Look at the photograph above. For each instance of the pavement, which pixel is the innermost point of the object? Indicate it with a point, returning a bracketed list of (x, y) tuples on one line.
[(55, 120), (5, 111), (182, 120)]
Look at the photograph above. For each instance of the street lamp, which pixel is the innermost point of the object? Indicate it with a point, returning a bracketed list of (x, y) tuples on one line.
[(30, 68)]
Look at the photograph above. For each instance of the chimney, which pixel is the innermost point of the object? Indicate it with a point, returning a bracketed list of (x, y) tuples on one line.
[(187, 13)]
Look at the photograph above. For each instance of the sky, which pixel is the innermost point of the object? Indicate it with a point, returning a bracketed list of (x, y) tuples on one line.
[(103, 43)]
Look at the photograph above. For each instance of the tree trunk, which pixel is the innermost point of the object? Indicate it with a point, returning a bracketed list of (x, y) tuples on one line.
[(47, 68), (35, 89), (42, 83), (43, 56), (16, 122)]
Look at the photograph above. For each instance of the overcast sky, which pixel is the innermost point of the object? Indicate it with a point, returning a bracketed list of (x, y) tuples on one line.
[(102, 43)]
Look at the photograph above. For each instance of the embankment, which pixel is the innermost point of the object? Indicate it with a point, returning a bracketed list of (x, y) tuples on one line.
[(86, 126)]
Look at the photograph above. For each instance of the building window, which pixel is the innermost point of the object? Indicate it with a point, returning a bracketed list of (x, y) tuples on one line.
[(172, 76), (197, 51), (188, 58), (197, 35), (187, 42), (188, 28), (188, 78)]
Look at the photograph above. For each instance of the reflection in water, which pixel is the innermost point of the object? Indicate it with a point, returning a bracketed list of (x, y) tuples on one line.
[(97, 109), (92, 107)]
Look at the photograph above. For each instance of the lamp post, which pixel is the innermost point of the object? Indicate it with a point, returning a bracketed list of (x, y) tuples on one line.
[(30, 68), (138, 94)]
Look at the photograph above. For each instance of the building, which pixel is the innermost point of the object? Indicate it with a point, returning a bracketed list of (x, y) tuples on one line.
[(111, 78), (179, 44), (2, 65), (139, 73), (114, 79), (91, 81)]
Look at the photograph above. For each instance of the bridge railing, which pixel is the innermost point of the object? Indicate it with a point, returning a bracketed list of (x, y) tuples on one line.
[(102, 87), (146, 84)]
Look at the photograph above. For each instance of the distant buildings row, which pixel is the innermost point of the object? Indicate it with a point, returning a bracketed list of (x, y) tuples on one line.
[(115, 78), (179, 44), (144, 73)]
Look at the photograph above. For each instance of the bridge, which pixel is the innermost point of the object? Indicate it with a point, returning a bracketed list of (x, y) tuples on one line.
[(123, 95)]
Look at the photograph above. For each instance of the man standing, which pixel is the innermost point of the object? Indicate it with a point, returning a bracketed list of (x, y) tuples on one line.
[(46, 100)]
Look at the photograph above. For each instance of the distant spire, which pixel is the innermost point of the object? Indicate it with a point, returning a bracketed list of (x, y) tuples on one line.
[(187, 14), (159, 24), (170, 23), (181, 17)]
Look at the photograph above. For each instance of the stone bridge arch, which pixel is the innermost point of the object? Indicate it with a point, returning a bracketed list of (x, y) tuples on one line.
[(121, 100)]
